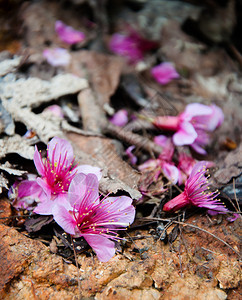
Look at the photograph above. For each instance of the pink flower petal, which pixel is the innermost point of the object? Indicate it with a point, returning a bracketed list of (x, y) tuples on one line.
[(68, 34), (55, 110), (57, 57), (161, 140), (171, 172), (197, 109), (133, 45), (167, 147), (132, 158), (104, 248), (149, 164), (25, 194), (59, 150), (196, 147), (64, 219), (164, 73), (38, 162), (120, 118), (45, 187), (83, 191), (44, 207), (121, 209), (126, 46), (210, 121), (87, 169), (186, 135)]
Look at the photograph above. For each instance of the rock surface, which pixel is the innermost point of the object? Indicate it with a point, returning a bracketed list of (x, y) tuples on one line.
[(195, 266)]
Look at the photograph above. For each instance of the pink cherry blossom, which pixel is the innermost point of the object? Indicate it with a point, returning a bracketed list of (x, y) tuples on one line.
[(196, 193), (56, 173), (192, 126), (164, 73), (133, 46), (68, 34), (86, 215), (57, 57), (120, 118)]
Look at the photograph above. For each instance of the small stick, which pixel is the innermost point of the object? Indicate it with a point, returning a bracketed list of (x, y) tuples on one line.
[(132, 138)]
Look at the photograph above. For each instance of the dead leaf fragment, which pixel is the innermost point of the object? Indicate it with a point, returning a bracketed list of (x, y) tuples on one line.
[(16, 144), (32, 92)]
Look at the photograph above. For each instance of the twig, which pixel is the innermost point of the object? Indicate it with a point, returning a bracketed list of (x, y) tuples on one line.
[(196, 227), (134, 243), (132, 138), (78, 274)]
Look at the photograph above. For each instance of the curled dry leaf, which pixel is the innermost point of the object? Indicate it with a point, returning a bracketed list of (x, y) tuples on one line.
[(28, 93)]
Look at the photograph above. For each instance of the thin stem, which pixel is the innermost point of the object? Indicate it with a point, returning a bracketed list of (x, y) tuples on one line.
[(78, 274)]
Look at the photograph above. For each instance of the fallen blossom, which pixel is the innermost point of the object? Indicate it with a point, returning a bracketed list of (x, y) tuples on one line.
[(132, 158), (163, 164), (192, 126), (86, 215), (68, 34), (56, 173), (196, 193), (120, 118), (57, 57), (132, 46), (26, 193), (164, 73), (55, 110)]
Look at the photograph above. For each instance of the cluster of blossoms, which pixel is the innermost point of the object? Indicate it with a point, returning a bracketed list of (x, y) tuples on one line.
[(191, 127), (60, 56), (71, 194), (164, 163)]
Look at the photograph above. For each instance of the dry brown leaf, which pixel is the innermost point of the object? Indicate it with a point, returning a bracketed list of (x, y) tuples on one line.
[(231, 167), (101, 152), (103, 72)]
